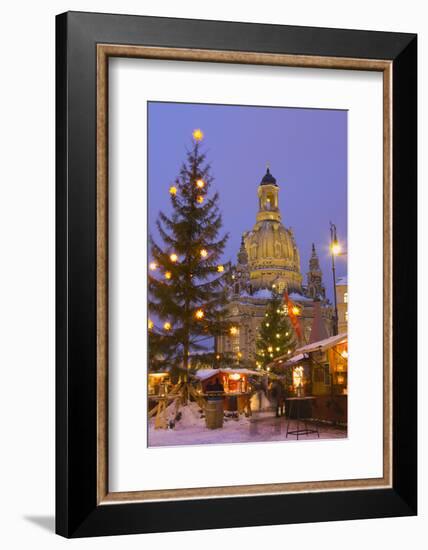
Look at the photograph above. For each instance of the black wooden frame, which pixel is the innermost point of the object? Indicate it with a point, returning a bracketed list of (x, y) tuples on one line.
[(77, 513)]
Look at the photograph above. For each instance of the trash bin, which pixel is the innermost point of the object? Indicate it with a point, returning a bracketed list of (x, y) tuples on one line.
[(214, 414)]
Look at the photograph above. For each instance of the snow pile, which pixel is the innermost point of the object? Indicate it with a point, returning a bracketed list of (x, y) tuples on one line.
[(191, 416), (188, 416)]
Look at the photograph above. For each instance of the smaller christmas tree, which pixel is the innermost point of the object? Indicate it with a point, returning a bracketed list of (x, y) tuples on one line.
[(276, 335)]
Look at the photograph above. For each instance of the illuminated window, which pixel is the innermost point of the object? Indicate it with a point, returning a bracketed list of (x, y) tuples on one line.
[(345, 297)]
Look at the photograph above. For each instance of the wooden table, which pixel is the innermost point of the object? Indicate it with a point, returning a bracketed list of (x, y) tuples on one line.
[(295, 402)]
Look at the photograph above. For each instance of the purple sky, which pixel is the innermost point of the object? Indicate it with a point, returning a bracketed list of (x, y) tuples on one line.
[(307, 153)]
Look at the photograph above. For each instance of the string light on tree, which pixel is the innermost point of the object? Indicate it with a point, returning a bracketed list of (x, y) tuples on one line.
[(199, 314), (220, 268), (167, 326), (153, 266), (168, 275), (173, 190), (150, 324), (204, 253), (233, 331), (199, 199), (200, 184), (275, 330)]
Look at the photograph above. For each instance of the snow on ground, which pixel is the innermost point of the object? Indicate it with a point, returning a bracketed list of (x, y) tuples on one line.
[(262, 426)]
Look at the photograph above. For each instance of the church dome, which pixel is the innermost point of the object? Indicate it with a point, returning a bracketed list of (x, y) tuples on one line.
[(273, 257), (268, 179)]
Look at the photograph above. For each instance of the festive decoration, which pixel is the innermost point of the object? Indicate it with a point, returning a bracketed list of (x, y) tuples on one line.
[(150, 324), (220, 268), (173, 190), (167, 326), (153, 266), (274, 336), (193, 302), (233, 331), (199, 314), (198, 135), (293, 312)]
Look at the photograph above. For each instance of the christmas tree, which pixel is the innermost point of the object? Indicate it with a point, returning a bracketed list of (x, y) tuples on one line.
[(276, 335), (187, 296)]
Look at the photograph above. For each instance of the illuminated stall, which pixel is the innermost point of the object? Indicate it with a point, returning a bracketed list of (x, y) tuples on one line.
[(236, 384), (319, 369)]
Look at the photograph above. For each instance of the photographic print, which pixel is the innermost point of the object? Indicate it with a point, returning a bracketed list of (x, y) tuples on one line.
[(247, 274)]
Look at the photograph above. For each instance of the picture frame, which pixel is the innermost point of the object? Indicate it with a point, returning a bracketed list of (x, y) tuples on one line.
[(84, 44)]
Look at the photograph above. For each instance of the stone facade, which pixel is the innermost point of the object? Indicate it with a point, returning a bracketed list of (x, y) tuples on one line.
[(269, 258)]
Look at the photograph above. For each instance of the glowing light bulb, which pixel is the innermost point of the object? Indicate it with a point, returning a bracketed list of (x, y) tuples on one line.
[(168, 275), (233, 331), (173, 257), (150, 324), (167, 326), (173, 190), (270, 348), (204, 253), (295, 310), (277, 349), (277, 335), (220, 268), (200, 199), (200, 184), (199, 314), (239, 355), (267, 324), (198, 134), (335, 248), (153, 266)]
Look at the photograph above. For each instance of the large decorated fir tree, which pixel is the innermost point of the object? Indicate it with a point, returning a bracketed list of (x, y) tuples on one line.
[(187, 296), (276, 336)]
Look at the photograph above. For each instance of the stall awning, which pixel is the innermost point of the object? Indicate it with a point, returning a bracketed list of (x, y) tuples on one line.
[(284, 361), (323, 345)]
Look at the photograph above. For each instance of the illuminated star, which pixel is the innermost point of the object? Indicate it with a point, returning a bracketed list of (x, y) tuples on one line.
[(198, 134)]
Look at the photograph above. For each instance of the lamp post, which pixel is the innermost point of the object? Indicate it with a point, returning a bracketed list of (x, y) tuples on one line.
[(335, 250)]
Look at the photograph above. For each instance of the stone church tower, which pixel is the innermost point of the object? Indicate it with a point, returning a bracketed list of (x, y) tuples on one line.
[(273, 257), (268, 256), (315, 288)]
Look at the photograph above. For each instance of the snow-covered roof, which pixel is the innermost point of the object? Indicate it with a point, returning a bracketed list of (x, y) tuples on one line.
[(279, 361), (342, 281), (204, 374), (325, 344), (295, 297), (262, 293)]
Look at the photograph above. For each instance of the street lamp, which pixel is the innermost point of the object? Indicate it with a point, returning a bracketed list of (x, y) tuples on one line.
[(335, 250)]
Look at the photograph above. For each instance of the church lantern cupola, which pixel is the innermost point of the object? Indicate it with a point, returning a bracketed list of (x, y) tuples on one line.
[(273, 257), (268, 199)]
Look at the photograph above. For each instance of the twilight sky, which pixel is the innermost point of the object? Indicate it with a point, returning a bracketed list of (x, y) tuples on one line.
[(306, 150)]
